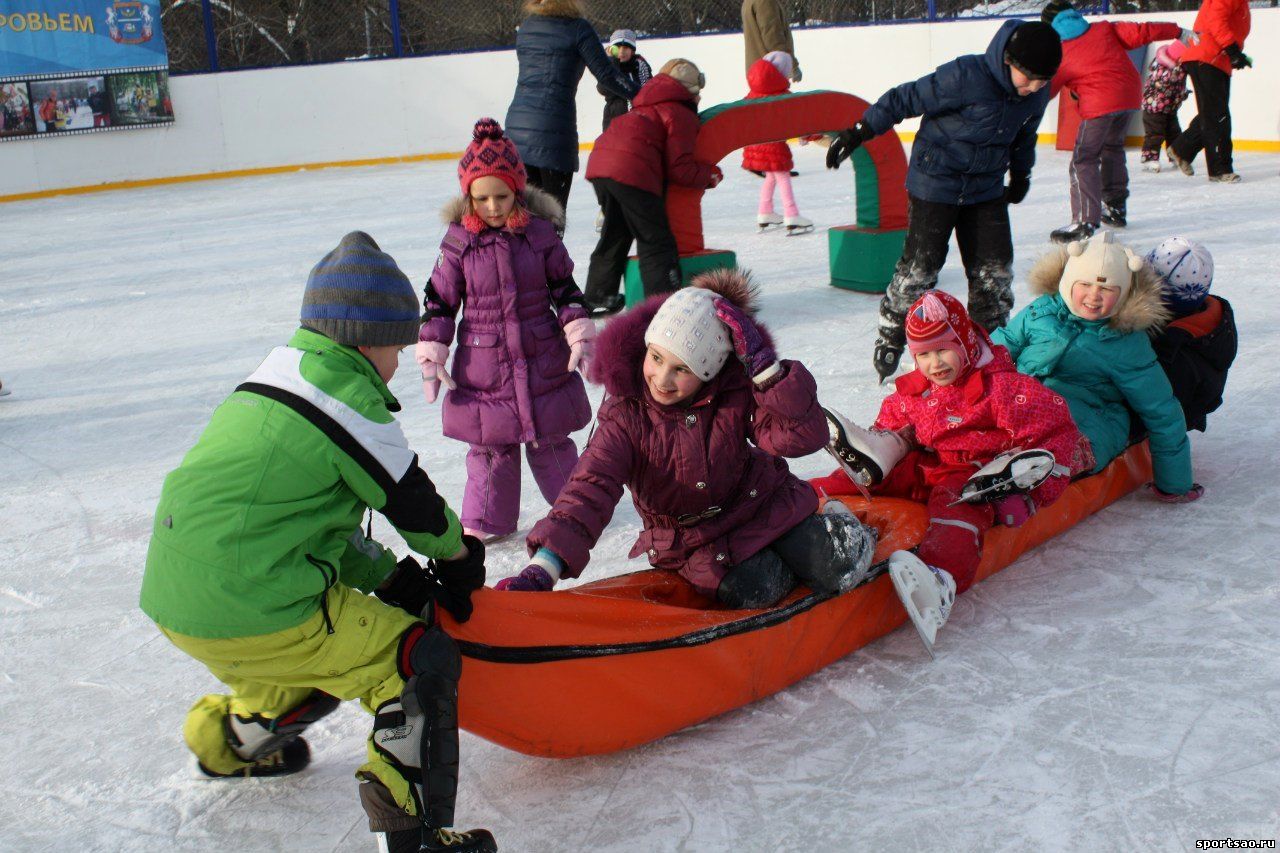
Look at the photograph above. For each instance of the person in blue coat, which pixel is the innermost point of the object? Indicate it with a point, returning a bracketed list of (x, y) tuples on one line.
[(554, 44), (1087, 337), (980, 116)]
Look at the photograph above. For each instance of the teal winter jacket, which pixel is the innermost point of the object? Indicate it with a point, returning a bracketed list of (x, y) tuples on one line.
[(1105, 369)]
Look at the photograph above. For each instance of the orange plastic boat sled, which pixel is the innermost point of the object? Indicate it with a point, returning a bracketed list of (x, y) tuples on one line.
[(615, 663)]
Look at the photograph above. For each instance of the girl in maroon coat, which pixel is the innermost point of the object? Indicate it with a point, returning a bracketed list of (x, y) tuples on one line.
[(768, 77), (964, 405), (523, 334), (699, 440)]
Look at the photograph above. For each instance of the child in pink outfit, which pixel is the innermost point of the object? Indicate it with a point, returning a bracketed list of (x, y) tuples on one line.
[(768, 77), (522, 337)]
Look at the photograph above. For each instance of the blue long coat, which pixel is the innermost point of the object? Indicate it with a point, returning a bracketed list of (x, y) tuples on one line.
[(976, 127), (543, 117)]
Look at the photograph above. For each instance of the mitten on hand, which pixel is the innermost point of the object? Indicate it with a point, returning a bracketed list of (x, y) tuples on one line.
[(1018, 187), (408, 587), (845, 143), (457, 579), (1239, 59), (1192, 494), (748, 343), (1014, 510), (539, 576), (431, 356), (581, 335)]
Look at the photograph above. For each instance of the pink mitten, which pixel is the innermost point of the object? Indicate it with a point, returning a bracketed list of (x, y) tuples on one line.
[(431, 356), (1014, 510), (581, 334)]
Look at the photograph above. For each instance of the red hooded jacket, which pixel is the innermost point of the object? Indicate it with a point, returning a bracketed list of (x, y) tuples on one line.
[(1220, 23), (765, 81), (652, 145), (1096, 65)]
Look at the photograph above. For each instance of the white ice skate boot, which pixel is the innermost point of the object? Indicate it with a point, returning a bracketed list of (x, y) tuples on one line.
[(927, 593), (1013, 472), (867, 456), (797, 225), (765, 221), (1151, 166)]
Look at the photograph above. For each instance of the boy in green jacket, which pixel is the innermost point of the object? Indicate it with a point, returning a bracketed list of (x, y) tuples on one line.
[(259, 570)]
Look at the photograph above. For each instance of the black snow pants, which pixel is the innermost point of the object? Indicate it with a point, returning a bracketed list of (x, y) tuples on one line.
[(552, 181), (1211, 128), (1158, 129), (986, 250), (631, 214)]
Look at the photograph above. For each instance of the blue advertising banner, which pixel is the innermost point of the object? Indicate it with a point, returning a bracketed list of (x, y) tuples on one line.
[(76, 66)]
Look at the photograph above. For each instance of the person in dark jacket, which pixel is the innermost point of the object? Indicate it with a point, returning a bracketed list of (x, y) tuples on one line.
[(699, 438), (631, 165), (633, 67), (101, 106), (980, 116), (554, 44), (1198, 345), (1097, 69)]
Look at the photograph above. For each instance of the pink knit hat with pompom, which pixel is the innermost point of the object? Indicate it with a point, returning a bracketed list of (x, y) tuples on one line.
[(491, 153)]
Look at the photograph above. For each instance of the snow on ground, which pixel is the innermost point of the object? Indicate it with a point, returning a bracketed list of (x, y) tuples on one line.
[(1116, 689)]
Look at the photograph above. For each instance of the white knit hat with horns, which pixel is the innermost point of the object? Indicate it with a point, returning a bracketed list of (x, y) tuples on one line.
[(1099, 261)]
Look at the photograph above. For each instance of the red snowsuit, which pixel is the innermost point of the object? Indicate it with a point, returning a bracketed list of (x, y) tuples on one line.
[(1220, 23), (765, 81), (1097, 68), (961, 427)]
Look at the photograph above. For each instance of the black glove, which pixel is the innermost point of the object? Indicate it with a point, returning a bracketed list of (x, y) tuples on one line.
[(463, 576), (448, 583), (1017, 189), (1239, 59), (408, 587), (845, 143)]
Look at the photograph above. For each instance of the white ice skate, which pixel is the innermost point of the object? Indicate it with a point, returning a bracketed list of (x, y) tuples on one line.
[(1151, 166), (797, 225), (927, 593), (1013, 472), (765, 221), (867, 456)]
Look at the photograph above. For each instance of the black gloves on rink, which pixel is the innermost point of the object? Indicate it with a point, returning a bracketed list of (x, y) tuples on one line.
[(1017, 189), (845, 143), (448, 583)]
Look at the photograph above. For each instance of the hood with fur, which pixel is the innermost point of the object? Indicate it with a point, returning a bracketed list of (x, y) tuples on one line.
[(620, 348), (1142, 308), (538, 202), (555, 8)]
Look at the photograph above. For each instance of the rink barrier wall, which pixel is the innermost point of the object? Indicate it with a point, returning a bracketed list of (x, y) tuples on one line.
[(408, 110)]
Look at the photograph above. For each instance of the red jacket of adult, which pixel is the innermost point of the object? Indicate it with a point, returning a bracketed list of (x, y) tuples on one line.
[(765, 81), (1220, 23), (652, 145), (1096, 65), (988, 411), (717, 461)]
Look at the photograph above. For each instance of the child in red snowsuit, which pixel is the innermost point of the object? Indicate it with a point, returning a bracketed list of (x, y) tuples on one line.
[(767, 78)]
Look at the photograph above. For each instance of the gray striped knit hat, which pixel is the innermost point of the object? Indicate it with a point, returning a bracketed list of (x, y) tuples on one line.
[(357, 296)]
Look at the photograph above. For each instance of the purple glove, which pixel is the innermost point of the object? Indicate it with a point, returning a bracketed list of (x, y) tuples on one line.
[(532, 578), (749, 344), (1014, 510), (1192, 494)]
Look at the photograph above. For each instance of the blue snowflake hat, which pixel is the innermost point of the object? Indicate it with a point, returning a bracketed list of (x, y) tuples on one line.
[(1185, 268)]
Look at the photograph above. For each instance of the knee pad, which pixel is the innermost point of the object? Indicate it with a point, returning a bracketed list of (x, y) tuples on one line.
[(254, 736), (417, 733)]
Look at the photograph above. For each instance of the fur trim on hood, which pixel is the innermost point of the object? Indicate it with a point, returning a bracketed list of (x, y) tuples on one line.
[(538, 202), (1143, 308), (555, 8), (620, 348)]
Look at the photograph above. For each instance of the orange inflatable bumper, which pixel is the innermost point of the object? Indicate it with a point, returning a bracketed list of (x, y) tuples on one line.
[(619, 662)]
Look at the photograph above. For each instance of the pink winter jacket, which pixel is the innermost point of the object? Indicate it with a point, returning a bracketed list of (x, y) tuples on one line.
[(992, 409), (687, 461)]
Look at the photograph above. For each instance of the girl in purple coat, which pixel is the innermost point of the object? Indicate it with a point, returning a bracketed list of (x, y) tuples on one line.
[(699, 440), (523, 334)]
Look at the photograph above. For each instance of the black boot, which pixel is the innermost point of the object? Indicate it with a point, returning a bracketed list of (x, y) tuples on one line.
[(886, 358), (432, 840), (1073, 232), (290, 758), (609, 305), (1113, 214)]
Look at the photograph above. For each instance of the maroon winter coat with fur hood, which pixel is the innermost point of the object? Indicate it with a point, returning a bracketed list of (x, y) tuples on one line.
[(722, 450)]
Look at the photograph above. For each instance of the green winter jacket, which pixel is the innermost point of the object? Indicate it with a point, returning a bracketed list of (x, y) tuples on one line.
[(1104, 369), (263, 515)]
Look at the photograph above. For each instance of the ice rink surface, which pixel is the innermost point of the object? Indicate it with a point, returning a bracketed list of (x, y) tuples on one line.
[(1116, 689)]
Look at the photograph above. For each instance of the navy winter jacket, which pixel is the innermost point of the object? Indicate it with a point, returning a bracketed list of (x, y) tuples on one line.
[(543, 116), (975, 128)]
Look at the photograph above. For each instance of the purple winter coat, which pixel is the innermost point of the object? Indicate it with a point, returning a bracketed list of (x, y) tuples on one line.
[(517, 293), (680, 460)]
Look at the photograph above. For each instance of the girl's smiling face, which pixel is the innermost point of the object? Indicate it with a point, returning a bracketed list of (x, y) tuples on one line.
[(669, 380), (940, 366), (492, 200), (1093, 301)]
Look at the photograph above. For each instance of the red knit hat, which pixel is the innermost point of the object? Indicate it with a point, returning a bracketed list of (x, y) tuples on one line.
[(491, 153), (938, 321)]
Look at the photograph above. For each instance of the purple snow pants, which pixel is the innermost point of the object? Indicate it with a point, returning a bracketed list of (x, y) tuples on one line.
[(491, 502)]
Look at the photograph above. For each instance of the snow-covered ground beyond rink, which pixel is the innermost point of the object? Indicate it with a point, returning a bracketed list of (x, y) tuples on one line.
[(1115, 689)]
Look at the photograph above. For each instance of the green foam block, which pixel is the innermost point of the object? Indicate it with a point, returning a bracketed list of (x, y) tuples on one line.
[(863, 259), (690, 265)]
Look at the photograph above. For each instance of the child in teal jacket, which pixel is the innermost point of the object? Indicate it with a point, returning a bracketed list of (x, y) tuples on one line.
[(1087, 338)]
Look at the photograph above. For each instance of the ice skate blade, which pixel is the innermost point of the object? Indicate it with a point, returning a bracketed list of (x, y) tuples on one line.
[(797, 230), (908, 603)]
